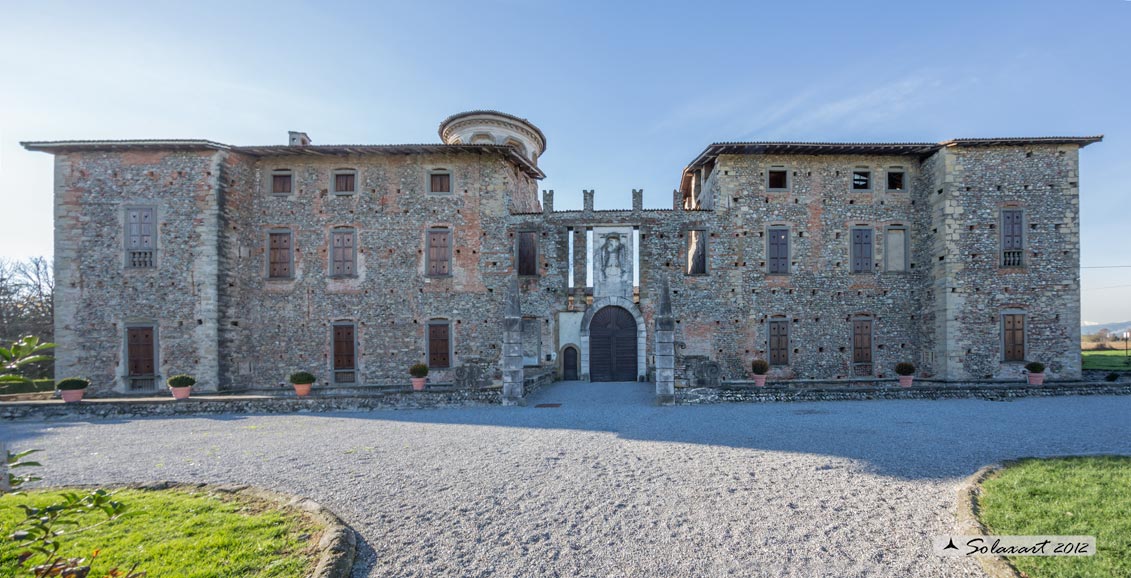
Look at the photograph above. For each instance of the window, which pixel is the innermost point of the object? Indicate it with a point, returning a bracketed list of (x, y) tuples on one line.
[(862, 344), (345, 353), (279, 256), (861, 250), (343, 253), (140, 356), (345, 182), (696, 252), (141, 237), (281, 182), (439, 255), (1012, 238), (777, 179), (779, 341), (439, 345), (1013, 336), (439, 182), (861, 180), (527, 253), (777, 260), (895, 249), (897, 179)]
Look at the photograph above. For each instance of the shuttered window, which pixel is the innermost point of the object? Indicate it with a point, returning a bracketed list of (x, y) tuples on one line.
[(345, 182), (439, 253), (1013, 327), (779, 342), (279, 258), (343, 253), (440, 183), (141, 237), (777, 262), (345, 359), (1012, 238), (862, 341), (281, 183), (861, 250), (696, 252), (438, 345), (140, 356), (527, 253)]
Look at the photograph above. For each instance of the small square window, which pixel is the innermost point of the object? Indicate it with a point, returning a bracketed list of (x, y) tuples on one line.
[(345, 183), (896, 180), (777, 179), (440, 182), (861, 180), (281, 183)]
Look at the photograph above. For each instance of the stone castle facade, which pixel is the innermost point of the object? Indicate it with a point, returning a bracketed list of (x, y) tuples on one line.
[(241, 264)]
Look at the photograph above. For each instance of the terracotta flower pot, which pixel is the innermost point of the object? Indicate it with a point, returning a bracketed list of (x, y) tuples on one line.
[(302, 389), (418, 383), (760, 380), (181, 392), (1036, 379), (905, 380), (72, 395)]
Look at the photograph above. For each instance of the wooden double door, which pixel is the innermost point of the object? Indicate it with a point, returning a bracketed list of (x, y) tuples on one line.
[(612, 345)]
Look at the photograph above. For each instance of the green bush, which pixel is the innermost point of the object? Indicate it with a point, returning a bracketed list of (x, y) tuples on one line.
[(759, 367), (1035, 367), (180, 381), (418, 370), (73, 383), (302, 377), (905, 368), (36, 386)]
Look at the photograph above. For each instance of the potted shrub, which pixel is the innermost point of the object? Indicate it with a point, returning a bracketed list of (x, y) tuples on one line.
[(180, 385), (419, 373), (906, 372), (760, 367), (72, 388), (1036, 372), (302, 380)]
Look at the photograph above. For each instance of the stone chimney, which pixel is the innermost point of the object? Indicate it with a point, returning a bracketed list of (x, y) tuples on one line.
[(298, 139)]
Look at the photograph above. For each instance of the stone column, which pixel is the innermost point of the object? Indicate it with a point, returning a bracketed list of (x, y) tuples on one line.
[(513, 376), (665, 348)]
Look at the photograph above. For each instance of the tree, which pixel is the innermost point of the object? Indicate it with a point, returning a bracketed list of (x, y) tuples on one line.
[(27, 292)]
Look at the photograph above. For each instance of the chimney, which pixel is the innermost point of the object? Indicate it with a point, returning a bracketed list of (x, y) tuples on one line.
[(298, 139)]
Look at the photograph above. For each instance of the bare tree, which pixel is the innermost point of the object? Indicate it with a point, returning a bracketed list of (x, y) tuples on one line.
[(27, 291)]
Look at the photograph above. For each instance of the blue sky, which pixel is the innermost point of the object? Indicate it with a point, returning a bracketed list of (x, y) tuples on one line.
[(627, 93)]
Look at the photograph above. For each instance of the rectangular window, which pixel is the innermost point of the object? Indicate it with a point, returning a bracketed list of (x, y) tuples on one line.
[(862, 341), (1012, 238), (1013, 329), (861, 250), (696, 252), (343, 253), (141, 237), (896, 180), (527, 253), (777, 260), (281, 183), (438, 345), (895, 249), (861, 180), (439, 253), (777, 179), (440, 183), (779, 342), (345, 183), (279, 257), (345, 353), (140, 356)]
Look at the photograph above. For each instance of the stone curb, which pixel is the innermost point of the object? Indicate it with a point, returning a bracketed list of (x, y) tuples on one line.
[(724, 394), (968, 524)]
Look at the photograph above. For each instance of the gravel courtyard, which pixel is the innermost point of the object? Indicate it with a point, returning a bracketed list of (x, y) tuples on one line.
[(608, 485)]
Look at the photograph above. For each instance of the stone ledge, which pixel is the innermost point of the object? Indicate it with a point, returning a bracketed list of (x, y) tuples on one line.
[(734, 392)]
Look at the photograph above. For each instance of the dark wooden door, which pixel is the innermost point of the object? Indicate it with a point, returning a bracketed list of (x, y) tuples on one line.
[(569, 364), (612, 345)]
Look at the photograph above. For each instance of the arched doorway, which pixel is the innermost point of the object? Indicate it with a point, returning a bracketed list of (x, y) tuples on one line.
[(569, 364), (612, 345)]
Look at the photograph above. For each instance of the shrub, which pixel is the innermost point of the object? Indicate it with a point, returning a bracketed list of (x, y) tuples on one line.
[(73, 383), (1035, 367), (905, 368), (418, 370), (759, 366), (1113, 376), (302, 377), (181, 381)]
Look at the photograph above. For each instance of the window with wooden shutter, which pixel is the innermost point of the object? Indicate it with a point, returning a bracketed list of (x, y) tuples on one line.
[(439, 253), (281, 183), (1012, 238), (861, 250), (140, 356), (345, 182), (279, 255), (696, 252), (862, 346), (345, 359), (439, 356), (440, 182), (1013, 328), (527, 253), (777, 261), (779, 341), (343, 253), (141, 237)]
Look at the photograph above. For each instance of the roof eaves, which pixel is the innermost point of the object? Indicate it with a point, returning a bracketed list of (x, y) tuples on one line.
[(66, 145)]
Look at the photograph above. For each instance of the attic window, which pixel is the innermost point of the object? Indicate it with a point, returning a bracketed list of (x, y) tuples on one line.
[(440, 181), (861, 180), (281, 182), (777, 179), (896, 180)]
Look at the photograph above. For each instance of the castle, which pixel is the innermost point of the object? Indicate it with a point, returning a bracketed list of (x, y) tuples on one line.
[(832, 261)]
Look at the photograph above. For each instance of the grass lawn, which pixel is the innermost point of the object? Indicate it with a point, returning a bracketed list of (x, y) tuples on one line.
[(1108, 360), (180, 533), (1065, 496)]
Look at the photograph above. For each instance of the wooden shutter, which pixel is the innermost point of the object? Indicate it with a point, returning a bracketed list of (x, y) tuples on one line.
[(280, 184), (139, 351), (1014, 327), (140, 236), (779, 342), (344, 183), (862, 341), (343, 253), (527, 253), (280, 255), (343, 347), (1012, 237), (439, 253), (441, 183), (438, 355), (861, 250), (779, 252)]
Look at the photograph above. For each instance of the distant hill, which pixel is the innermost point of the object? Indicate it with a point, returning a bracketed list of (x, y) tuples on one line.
[(1115, 328)]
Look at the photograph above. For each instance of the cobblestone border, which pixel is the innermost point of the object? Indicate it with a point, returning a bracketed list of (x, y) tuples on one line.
[(968, 523), (992, 392)]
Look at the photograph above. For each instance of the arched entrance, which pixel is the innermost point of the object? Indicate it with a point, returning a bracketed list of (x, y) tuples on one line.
[(612, 345), (569, 364)]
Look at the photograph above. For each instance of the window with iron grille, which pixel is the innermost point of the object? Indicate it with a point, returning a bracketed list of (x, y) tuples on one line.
[(777, 252), (1012, 238), (343, 253), (861, 250), (280, 257), (439, 255), (527, 253), (345, 182), (281, 182), (141, 356), (439, 345), (1013, 336), (696, 252), (861, 180), (779, 341), (345, 353), (141, 237), (439, 182)]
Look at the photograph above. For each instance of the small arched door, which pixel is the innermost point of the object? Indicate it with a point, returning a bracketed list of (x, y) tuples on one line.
[(612, 345), (569, 364)]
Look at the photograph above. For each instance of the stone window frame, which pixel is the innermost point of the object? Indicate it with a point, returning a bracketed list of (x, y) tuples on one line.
[(127, 379), (784, 321), (518, 236), (434, 321), (127, 258), (334, 181), (906, 248), (428, 254), (852, 179), (687, 231), (788, 179), (872, 261), (887, 179), (280, 171), (343, 229), (439, 171), (267, 253), (1001, 260), (356, 370), (1024, 334)]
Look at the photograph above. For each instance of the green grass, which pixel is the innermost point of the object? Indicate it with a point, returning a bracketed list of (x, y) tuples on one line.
[(178, 533), (1106, 360), (1069, 497), (33, 387)]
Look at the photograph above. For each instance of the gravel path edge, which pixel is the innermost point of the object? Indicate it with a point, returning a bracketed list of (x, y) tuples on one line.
[(968, 523)]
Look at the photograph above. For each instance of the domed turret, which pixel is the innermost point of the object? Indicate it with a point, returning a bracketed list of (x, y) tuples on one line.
[(494, 127)]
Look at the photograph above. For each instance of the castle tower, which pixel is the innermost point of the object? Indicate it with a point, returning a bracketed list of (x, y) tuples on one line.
[(494, 128)]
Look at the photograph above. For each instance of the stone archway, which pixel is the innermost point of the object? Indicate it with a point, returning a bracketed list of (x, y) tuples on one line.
[(641, 334)]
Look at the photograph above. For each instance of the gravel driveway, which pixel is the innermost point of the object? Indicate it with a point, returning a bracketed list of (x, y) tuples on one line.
[(607, 484)]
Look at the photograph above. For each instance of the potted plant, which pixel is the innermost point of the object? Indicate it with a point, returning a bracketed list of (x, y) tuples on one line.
[(180, 385), (72, 388), (906, 372), (1036, 372), (419, 373), (302, 380), (760, 367)]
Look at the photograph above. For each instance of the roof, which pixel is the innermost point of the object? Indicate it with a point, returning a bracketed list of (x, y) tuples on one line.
[(146, 144), (460, 115)]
